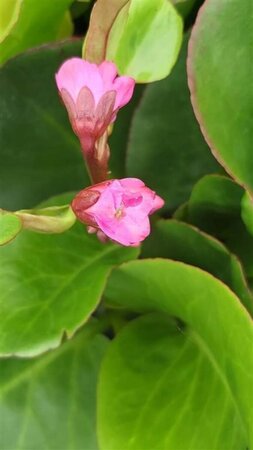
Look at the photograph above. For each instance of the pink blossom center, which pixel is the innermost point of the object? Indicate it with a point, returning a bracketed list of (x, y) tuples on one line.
[(128, 201)]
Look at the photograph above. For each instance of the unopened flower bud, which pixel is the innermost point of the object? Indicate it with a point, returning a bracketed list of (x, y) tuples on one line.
[(120, 210)]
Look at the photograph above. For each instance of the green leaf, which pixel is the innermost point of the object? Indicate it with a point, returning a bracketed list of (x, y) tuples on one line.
[(40, 155), (219, 72), (172, 395), (184, 7), (183, 242), (50, 285), (50, 402), (101, 20), (222, 327), (247, 212), (25, 24), (168, 160), (145, 39), (213, 199), (66, 27), (10, 226), (54, 219), (215, 206)]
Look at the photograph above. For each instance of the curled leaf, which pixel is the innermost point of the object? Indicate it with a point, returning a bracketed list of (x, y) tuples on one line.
[(10, 226), (55, 219)]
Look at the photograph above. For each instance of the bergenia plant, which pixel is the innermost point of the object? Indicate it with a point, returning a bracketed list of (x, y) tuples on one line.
[(126, 225)]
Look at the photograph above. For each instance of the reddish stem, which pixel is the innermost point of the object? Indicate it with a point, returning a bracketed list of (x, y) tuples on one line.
[(96, 156)]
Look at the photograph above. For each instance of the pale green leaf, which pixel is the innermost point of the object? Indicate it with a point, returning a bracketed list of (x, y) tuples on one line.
[(145, 39), (10, 226)]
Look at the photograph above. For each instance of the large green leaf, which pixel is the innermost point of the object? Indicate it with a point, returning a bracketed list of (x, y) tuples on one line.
[(166, 148), (25, 23), (10, 226), (172, 396), (40, 154), (50, 402), (220, 79), (50, 285), (215, 206), (183, 242), (221, 326), (145, 39)]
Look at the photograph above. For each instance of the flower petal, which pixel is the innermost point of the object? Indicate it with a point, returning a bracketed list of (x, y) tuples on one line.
[(127, 231), (76, 73), (108, 71), (125, 88)]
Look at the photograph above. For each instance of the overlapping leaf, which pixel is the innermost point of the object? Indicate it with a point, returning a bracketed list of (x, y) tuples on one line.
[(39, 152), (166, 148), (25, 24), (215, 206), (219, 70), (50, 285), (223, 331), (183, 242), (50, 401), (171, 394), (145, 39)]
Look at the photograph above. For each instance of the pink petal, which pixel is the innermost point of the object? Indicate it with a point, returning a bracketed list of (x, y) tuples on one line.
[(108, 72), (131, 183), (127, 231), (158, 203), (76, 73), (85, 102), (125, 88), (104, 207), (104, 111)]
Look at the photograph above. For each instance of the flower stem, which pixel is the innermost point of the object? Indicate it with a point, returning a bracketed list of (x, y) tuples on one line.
[(96, 158)]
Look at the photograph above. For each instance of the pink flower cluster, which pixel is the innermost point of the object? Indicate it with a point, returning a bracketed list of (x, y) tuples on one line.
[(117, 209)]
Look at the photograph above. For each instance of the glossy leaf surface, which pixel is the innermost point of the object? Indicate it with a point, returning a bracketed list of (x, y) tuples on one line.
[(145, 39), (40, 153), (50, 285), (50, 401), (168, 159), (25, 24), (213, 313), (219, 70), (215, 206), (171, 394), (183, 242)]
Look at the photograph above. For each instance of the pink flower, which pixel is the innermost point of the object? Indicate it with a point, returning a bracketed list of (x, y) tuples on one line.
[(92, 94), (118, 208)]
